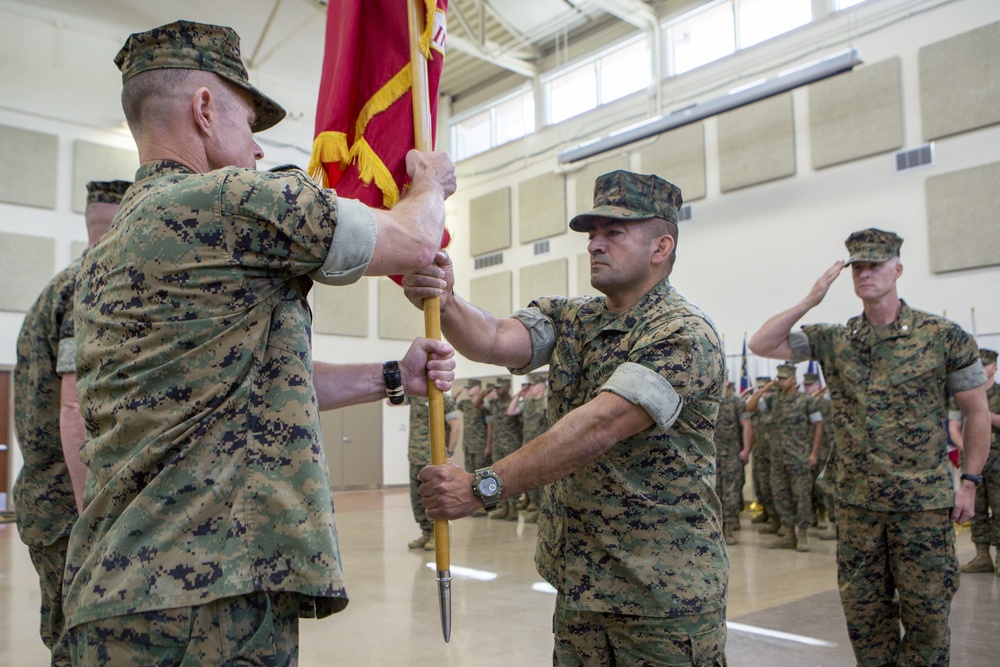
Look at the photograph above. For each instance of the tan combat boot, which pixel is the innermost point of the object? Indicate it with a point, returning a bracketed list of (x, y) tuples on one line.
[(421, 542), (829, 534), (787, 541), (500, 512), (982, 562), (802, 539), (728, 535), (512, 510), (773, 524)]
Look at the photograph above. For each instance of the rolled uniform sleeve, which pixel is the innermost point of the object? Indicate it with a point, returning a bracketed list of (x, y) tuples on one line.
[(352, 247), (650, 391), (801, 349), (967, 378), (543, 338)]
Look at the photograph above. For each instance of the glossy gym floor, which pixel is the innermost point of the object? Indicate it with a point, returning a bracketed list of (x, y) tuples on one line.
[(783, 605)]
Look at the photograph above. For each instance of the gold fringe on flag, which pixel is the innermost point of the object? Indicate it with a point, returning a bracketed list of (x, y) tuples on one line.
[(371, 167), (327, 147)]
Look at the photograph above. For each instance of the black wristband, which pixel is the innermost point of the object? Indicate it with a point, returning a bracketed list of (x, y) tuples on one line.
[(975, 479), (393, 382)]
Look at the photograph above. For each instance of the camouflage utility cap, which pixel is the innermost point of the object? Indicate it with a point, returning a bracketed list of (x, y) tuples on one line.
[(474, 382), (198, 46), (762, 380), (622, 195), (786, 371), (987, 356), (536, 378), (810, 378), (503, 382), (872, 245), (106, 192)]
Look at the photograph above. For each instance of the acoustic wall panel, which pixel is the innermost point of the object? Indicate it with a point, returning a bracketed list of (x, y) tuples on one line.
[(398, 319), (492, 293), (857, 114), (28, 165), (97, 162), (583, 287), (27, 263), (342, 310), (756, 143), (489, 222), (963, 223), (548, 279), (541, 207), (679, 157), (960, 82), (585, 178), (76, 248)]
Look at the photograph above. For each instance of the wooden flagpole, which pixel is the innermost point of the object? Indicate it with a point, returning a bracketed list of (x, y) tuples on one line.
[(422, 136)]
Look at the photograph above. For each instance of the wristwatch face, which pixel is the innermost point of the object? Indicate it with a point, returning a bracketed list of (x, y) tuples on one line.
[(487, 487)]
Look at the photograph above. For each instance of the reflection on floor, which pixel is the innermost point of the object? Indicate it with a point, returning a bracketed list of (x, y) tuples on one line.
[(783, 607)]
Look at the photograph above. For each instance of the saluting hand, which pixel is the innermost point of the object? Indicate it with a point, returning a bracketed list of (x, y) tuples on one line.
[(822, 285)]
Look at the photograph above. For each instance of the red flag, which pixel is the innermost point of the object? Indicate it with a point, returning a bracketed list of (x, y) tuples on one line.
[(364, 118)]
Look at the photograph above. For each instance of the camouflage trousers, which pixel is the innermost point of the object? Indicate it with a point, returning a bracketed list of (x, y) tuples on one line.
[(255, 630), (822, 498), (762, 479), (791, 488), (474, 457), (49, 562), (729, 488), (419, 513), (598, 639), (882, 554), (986, 523)]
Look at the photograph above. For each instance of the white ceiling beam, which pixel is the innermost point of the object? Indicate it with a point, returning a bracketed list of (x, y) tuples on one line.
[(493, 54)]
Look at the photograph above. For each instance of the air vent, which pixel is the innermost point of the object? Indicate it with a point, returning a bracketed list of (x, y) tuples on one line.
[(685, 213), (917, 157), (541, 247), (489, 260)]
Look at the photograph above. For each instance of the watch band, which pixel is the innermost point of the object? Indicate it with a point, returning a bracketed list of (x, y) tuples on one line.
[(975, 479), (393, 382)]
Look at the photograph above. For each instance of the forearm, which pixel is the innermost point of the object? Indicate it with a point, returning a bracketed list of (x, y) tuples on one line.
[(72, 433), (479, 336), (408, 234), (572, 442), (976, 436), (771, 340), (955, 432), (340, 385)]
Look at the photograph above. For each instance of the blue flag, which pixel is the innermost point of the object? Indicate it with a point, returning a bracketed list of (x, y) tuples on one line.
[(744, 372)]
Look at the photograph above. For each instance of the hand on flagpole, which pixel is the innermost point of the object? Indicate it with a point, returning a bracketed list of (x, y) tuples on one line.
[(431, 170), (437, 280)]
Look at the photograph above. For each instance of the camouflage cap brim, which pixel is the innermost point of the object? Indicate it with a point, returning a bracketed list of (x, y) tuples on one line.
[(585, 222), (874, 256)]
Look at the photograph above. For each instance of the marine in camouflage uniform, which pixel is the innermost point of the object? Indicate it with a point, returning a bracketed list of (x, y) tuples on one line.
[(632, 540), (419, 455), (823, 468), (208, 489), (505, 439), (761, 447), (45, 503), (889, 372), (797, 424), (985, 524), (534, 422), (729, 468), (473, 426)]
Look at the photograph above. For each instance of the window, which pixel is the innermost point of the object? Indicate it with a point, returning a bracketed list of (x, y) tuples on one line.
[(761, 20), (506, 120), (706, 36), (471, 136), (572, 93), (625, 71), (844, 4), (612, 75)]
